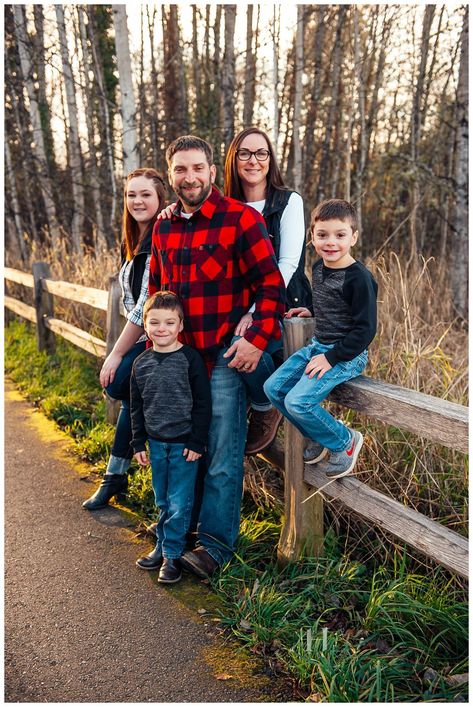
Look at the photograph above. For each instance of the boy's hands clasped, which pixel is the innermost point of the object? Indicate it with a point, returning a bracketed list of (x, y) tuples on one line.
[(191, 456)]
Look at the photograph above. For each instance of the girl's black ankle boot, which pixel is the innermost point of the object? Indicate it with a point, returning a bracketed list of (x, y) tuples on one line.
[(112, 485)]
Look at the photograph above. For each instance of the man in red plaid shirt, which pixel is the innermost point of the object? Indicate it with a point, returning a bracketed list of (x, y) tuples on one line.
[(215, 254)]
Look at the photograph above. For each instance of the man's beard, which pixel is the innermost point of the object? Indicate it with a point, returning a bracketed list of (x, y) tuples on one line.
[(199, 197)]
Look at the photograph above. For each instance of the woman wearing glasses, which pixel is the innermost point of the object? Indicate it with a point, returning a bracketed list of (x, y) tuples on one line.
[(252, 175)]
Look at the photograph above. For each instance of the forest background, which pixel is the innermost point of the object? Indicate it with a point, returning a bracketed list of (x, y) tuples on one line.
[(363, 102)]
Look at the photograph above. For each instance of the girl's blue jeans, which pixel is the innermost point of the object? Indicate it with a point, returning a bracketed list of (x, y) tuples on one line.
[(119, 389), (298, 397), (173, 479)]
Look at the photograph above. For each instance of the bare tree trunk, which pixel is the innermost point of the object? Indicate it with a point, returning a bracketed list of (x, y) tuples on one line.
[(315, 92), (153, 118), (276, 28), (174, 89), (37, 147), (228, 79), (44, 110), (250, 71), (14, 203), (127, 98), (105, 115), (296, 123), (459, 268), (217, 93), (78, 205), (360, 84), (88, 93)]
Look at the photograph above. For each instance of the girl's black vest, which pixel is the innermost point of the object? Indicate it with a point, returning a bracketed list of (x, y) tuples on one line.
[(139, 261), (299, 291)]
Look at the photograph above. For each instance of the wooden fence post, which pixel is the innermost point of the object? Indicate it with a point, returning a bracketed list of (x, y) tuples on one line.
[(303, 530), (113, 332), (44, 305)]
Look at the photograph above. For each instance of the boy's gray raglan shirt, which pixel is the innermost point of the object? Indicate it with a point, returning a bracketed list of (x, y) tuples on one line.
[(170, 399), (344, 309)]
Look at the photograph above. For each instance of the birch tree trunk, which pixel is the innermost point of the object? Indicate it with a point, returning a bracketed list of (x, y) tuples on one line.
[(89, 94), (459, 265), (14, 203), (127, 98), (37, 147), (296, 122), (78, 205), (228, 78)]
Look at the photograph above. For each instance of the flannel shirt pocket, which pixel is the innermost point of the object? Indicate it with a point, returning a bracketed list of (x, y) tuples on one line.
[(211, 260)]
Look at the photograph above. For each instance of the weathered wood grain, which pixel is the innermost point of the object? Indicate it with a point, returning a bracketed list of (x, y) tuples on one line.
[(18, 276), (303, 529), (20, 308), (426, 416), (44, 305), (441, 544), (77, 336), (78, 293)]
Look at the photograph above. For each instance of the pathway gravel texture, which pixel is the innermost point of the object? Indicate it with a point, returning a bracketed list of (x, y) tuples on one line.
[(82, 622)]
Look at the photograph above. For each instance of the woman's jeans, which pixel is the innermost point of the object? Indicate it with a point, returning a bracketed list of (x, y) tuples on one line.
[(254, 382), (119, 389), (298, 397), (219, 517), (173, 479)]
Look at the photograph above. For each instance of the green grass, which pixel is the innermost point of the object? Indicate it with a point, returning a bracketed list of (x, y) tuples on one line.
[(346, 628)]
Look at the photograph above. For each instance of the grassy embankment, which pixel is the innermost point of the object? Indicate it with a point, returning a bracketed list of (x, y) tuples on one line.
[(369, 621)]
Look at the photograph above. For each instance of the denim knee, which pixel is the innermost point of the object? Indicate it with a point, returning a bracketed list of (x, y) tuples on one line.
[(296, 404)]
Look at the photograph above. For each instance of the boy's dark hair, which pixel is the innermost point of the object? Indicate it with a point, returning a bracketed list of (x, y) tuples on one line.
[(189, 142), (335, 208), (163, 300)]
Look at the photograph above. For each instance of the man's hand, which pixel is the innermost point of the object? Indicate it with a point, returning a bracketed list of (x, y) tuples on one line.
[(317, 364), (297, 312), (190, 455), (246, 357), (141, 458)]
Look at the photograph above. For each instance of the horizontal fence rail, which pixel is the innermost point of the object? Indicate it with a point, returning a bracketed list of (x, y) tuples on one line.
[(428, 417)]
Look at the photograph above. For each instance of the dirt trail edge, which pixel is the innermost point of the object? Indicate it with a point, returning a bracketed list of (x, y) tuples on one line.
[(82, 622)]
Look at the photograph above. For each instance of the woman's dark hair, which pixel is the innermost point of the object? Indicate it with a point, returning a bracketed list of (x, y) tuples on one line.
[(232, 182), (130, 231)]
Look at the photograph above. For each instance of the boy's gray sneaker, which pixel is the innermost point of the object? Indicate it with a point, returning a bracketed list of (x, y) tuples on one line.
[(342, 463), (314, 452)]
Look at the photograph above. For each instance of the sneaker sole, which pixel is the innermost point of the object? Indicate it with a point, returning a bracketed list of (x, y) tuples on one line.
[(348, 471), (317, 459)]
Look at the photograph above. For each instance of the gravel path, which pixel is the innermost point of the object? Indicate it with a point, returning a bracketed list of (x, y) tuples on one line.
[(82, 623)]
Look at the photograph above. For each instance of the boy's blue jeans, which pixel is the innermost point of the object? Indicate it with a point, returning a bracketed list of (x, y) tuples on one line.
[(298, 397), (173, 479), (119, 389)]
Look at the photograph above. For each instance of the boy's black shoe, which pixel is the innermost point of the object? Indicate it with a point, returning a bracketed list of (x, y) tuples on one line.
[(199, 562), (170, 571), (112, 485), (153, 561)]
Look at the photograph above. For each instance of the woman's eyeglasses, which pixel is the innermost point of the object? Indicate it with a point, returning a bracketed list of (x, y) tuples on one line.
[(245, 155)]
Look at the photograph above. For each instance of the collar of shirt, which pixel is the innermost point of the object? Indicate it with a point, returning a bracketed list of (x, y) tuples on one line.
[(207, 209)]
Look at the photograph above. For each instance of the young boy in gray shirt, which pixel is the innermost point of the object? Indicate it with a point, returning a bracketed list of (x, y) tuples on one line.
[(344, 298), (171, 410)]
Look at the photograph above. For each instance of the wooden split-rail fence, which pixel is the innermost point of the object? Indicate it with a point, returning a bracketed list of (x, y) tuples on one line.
[(430, 418)]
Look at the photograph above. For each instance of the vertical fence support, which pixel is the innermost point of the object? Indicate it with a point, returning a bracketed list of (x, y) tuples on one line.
[(113, 332), (303, 530), (44, 305)]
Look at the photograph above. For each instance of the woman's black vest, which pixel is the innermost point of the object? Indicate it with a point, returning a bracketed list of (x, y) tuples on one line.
[(299, 291)]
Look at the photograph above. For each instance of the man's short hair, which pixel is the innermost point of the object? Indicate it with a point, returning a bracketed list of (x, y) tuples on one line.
[(189, 142), (335, 208), (163, 300)]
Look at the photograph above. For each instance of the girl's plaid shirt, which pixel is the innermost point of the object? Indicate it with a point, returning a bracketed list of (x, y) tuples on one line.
[(219, 262)]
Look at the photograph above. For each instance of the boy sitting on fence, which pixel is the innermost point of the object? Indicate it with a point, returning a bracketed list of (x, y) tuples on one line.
[(344, 297), (171, 409)]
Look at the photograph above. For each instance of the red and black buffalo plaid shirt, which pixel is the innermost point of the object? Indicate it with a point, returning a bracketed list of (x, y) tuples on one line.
[(219, 262)]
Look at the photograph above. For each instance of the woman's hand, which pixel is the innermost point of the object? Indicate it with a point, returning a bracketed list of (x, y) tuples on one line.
[(317, 364), (167, 212), (297, 312), (109, 368), (245, 322)]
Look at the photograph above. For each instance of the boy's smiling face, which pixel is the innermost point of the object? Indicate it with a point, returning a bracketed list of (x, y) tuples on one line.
[(163, 327), (332, 240)]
